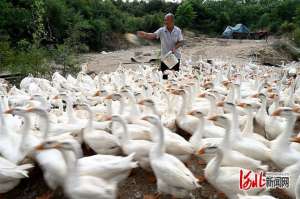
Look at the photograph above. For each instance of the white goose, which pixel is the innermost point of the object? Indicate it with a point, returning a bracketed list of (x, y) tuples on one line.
[(80, 187), (100, 141), (11, 174), (141, 148), (294, 173), (247, 146), (51, 161), (172, 175), (298, 188), (248, 129), (225, 179), (232, 157), (281, 152), (197, 139), (186, 123)]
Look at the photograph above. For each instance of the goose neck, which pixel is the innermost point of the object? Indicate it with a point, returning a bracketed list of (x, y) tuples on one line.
[(89, 124), (213, 107), (109, 107), (71, 163), (231, 95), (238, 93), (189, 99), (248, 129), (276, 104), (3, 126), (45, 123), (263, 108), (284, 137), (235, 120), (226, 144), (70, 111), (298, 188), (154, 110), (198, 135), (159, 148), (214, 165), (122, 106), (165, 95), (24, 131), (183, 105), (134, 106), (125, 137), (44, 103)]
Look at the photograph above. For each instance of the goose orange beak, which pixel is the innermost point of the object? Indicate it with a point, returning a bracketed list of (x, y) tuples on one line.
[(29, 110), (39, 147), (269, 90), (277, 112), (175, 92), (296, 109), (97, 94), (255, 96), (9, 111), (106, 118), (220, 104), (201, 151), (141, 102), (55, 97), (144, 118), (295, 139), (272, 96), (225, 83), (212, 118), (243, 105), (207, 84), (109, 97), (190, 113), (201, 95)]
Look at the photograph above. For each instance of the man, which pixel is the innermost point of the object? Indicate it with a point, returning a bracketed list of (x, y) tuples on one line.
[(171, 40)]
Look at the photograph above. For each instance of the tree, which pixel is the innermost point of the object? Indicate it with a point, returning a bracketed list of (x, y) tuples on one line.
[(185, 14)]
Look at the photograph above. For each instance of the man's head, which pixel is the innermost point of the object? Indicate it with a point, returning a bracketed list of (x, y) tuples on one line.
[(169, 20)]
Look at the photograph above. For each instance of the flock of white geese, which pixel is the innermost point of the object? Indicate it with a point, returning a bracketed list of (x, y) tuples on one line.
[(231, 117)]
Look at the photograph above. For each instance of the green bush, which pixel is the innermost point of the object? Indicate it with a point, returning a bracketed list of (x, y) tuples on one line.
[(36, 60), (185, 14), (264, 21), (297, 36), (287, 27)]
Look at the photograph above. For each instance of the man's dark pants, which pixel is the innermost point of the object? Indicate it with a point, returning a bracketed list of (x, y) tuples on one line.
[(164, 67)]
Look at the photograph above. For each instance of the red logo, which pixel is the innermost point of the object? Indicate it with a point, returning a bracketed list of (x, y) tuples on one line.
[(250, 179)]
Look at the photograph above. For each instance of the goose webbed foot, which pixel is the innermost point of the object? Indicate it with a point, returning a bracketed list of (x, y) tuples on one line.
[(46, 195), (201, 162), (201, 179), (221, 195), (151, 178)]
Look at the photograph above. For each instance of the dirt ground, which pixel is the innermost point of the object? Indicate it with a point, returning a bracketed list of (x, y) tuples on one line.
[(237, 51)]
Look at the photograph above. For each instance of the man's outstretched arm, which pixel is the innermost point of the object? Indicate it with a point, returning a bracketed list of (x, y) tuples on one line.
[(146, 35)]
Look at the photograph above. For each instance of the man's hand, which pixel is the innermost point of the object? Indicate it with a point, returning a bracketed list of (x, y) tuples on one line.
[(141, 34), (146, 35)]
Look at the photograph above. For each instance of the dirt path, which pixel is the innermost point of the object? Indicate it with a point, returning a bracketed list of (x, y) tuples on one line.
[(237, 51)]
